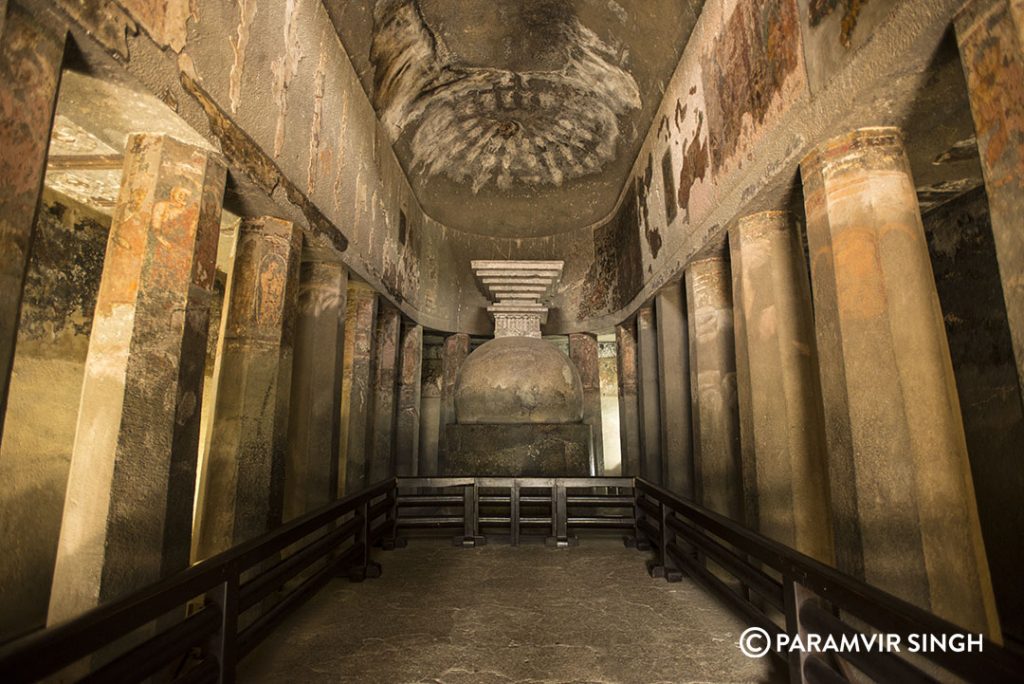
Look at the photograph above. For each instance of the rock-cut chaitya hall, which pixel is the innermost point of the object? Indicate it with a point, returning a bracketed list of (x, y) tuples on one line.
[(509, 341)]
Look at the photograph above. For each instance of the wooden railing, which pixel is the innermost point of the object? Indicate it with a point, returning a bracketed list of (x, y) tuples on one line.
[(785, 592), (268, 577)]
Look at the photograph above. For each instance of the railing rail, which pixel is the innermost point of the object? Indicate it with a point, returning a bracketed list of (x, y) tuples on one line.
[(428, 502), (809, 597), (228, 584)]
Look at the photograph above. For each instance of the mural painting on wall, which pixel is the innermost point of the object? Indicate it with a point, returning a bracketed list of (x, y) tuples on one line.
[(819, 9), (538, 125)]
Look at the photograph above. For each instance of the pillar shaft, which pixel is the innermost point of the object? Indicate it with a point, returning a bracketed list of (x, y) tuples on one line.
[(781, 421), (410, 375), (431, 380), (356, 389), (311, 469), (901, 488), (991, 38), (674, 381), (385, 385), (454, 353), (716, 446), (649, 393), (30, 62), (128, 513), (583, 351), (629, 403), (244, 495)]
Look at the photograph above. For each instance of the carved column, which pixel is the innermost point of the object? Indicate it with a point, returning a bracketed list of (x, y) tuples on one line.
[(991, 37), (311, 469), (902, 494), (629, 406), (781, 422), (128, 514), (245, 469), (407, 433), (716, 443), (649, 393), (30, 62), (356, 389), (454, 353), (583, 351), (674, 382), (385, 379)]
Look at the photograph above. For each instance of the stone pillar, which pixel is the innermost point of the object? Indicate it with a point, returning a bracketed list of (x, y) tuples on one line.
[(454, 353), (629, 406), (991, 37), (430, 408), (781, 422), (356, 389), (674, 381), (385, 381), (716, 442), (244, 495), (128, 512), (410, 375), (30, 62), (649, 393), (311, 467), (583, 351), (901, 489)]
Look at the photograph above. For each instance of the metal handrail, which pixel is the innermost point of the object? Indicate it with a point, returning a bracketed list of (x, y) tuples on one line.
[(219, 581), (816, 598)]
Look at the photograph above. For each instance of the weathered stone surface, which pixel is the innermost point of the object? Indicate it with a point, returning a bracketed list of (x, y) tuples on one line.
[(716, 445), (583, 352), (534, 450), (785, 463), (513, 380), (356, 389), (897, 456), (991, 37), (245, 466), (674, 383), (30, 61), (410, 377), (385, 384), (629, 408), (649, 393), (61, 283), (430, 407), (311, 469), (453, 355), (138, 423)]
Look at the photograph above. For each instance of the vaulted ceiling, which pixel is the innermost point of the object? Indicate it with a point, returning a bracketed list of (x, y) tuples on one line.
[(515, 117)]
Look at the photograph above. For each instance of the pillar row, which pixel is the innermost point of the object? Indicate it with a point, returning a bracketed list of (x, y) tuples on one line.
[(991, 38), (629, 407), (716, 441), (245, 470), (781, 422), (898, 459), (30, 63), (385, 385), (357, 389), (583, 352), (674, 382), (311, 468), (649, 393), (128, 513), (410, 376)]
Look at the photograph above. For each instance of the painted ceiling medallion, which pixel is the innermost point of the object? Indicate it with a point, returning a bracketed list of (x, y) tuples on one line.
[(484, 125)]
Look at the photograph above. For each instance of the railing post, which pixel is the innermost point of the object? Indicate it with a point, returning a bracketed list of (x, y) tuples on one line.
[(663, 565), (514, 512), (223, 642), (559, 517), (631, 541), (470, 518), (795, 595), (393, 540)]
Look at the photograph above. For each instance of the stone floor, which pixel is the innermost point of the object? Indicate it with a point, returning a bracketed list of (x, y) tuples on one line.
[(501, 614)]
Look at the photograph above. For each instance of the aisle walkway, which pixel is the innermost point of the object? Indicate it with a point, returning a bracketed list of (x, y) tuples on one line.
[(500, 614)]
